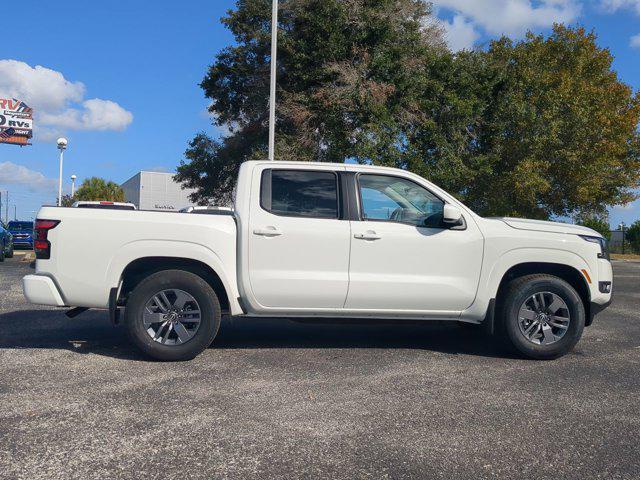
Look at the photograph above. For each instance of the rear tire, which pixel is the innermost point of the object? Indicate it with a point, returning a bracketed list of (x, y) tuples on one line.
[(541, 317), (169, 344)]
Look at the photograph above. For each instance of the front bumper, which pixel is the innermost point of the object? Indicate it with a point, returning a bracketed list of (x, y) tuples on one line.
[(596, 308), (41, 290)]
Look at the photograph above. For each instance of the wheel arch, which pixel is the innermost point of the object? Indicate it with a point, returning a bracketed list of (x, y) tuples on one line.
[(565, 272), (140, 268)]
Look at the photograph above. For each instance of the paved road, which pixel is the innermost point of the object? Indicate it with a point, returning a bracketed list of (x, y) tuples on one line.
[(276, 399)]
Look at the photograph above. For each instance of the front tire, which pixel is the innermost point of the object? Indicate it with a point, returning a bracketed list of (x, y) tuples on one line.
[(10, 254), (542, 316), (172, 315)]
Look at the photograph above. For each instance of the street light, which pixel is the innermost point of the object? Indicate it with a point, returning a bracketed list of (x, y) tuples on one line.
[(272, 93), (73, 185), (622, 227), (62, 145)]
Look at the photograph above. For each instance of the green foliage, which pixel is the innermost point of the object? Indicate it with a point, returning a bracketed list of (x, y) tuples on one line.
[(599, 225), (95, 189), (559, 133), (542, 127), (632, 235), (67, 200), (350, 82)]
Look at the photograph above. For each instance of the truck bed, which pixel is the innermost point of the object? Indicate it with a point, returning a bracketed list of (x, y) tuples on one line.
[(90, 248)]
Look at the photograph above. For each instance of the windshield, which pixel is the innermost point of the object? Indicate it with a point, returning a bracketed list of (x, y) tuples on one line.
[(20, 226)]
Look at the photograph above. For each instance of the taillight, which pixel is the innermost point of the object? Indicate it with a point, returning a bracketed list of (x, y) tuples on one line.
[(41, 244)]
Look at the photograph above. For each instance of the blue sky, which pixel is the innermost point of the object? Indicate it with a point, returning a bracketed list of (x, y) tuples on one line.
[(120, 79)]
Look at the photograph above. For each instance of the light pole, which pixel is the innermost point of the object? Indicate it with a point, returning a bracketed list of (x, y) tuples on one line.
[(272, 93), (62, 145), (73, 185), (622, 227)]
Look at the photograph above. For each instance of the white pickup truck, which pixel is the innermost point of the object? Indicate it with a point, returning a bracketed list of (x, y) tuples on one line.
[(323, 241)]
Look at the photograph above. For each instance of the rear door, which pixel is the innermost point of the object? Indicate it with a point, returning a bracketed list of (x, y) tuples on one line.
[(298, 245)]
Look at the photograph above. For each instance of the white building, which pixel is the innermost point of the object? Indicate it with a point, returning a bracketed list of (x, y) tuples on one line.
[(156, 191)]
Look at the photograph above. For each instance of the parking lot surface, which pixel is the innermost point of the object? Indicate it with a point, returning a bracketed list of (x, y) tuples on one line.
[(279, 399)]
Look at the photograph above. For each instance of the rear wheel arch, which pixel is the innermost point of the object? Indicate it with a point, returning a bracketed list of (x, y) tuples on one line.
[(141, 268)]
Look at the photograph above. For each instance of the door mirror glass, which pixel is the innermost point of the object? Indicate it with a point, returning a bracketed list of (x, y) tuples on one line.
[(451, 214)]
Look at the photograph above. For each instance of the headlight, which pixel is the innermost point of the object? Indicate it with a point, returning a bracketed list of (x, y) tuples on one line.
[(604, 245)]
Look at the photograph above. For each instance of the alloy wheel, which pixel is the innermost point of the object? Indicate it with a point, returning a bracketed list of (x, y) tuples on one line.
[(544, 318), (171, 317)]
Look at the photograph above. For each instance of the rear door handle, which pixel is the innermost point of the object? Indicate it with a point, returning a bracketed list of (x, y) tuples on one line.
[(370, 235), (267, 232)]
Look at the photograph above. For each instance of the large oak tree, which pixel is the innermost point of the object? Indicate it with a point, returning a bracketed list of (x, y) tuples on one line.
[(539, 127)]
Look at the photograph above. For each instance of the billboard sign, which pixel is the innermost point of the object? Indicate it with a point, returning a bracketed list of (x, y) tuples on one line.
[(16, 122)]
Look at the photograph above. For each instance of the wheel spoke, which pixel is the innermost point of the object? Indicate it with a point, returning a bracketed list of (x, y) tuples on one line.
[(159, 331), (159, 303), (527, 314), (532, 329), (556, 305), (543, 303), (536, 305), (149, 318), (547, 335), (182, 298), (558, 321), (166, 335), (183, 333), (165, 300)]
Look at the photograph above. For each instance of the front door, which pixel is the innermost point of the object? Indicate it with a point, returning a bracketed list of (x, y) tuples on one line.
[(298, 244), (403, 257)]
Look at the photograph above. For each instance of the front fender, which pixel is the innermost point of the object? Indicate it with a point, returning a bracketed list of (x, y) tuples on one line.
[(491, 277)]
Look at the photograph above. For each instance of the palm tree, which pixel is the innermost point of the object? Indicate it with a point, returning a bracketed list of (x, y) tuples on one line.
[(96, 188)]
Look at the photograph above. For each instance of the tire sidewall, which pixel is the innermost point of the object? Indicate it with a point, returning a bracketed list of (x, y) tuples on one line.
[(570, 338), (173, 279)]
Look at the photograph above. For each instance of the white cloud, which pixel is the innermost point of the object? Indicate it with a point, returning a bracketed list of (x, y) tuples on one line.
[(635, 41), (460, 34), (96, 114), (12, 174), (512, 17), (39, 87), (615, 5), (57, 102)]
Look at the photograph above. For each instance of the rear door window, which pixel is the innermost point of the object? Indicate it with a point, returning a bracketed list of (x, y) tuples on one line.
[(300, 193)]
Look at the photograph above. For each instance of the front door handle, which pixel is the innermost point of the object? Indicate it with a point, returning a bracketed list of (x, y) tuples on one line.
[(267, 232), (368, 235)]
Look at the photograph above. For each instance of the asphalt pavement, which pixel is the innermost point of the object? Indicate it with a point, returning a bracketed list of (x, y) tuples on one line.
[(279, 399)]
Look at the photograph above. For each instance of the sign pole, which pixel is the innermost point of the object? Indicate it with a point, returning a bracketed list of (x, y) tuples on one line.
[(272, 93)]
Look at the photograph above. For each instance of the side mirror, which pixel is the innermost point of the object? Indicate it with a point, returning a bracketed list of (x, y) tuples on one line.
[(451, 214)]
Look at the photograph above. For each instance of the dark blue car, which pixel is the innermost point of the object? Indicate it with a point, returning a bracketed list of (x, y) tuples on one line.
[(22, 233)]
